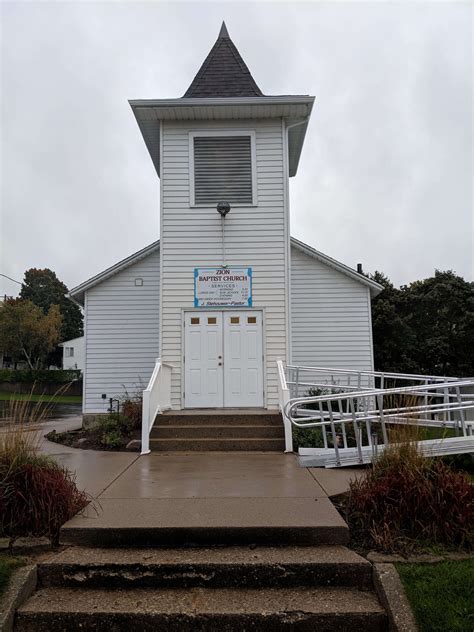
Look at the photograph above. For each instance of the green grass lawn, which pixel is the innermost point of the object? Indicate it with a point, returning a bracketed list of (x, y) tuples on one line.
[(7, 566), (49, 399), (441, 595)]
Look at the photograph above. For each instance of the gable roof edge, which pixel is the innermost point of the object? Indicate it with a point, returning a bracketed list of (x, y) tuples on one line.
[(374, 287), (77, 293)]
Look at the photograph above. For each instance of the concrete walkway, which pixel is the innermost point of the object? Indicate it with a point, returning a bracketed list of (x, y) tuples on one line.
[(161, 497), (192, 493), (94, 470)]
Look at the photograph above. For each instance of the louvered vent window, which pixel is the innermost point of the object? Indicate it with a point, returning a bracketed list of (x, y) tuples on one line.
[(222, 169)]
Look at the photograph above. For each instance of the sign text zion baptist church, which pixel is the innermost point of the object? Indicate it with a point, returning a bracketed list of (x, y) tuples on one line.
[(223, 287)]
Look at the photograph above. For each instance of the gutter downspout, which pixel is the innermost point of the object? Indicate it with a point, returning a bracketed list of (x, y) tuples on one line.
[(288, 239)]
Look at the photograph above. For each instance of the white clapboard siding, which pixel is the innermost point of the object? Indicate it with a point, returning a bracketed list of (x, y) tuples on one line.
[(122, 333), (256, 236), (330, 316)]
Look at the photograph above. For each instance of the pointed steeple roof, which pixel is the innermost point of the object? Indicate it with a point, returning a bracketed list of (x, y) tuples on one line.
[(223, 73)]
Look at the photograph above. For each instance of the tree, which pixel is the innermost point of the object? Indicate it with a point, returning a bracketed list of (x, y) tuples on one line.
[(392, 336), (27, 333), (440, 312), (44, 289), (425, 327)]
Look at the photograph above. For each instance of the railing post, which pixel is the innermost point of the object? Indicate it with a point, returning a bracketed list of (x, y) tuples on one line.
[(323, 427), (334, 436), (145, 449), (382, 419), (284, 397), (462, 412), (357, 431), (287, 423)]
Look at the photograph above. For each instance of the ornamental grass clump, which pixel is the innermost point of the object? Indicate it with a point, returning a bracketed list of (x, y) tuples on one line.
[(407, 502), (37, 495)]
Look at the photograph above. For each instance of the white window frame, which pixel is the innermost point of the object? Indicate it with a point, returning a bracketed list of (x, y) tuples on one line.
[(253, 157)]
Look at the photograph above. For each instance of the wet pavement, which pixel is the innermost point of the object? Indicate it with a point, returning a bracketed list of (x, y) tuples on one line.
[(196, 490), (159, 496)]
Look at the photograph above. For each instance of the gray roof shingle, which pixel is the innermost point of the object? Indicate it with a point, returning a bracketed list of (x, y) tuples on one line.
[(223, 73)]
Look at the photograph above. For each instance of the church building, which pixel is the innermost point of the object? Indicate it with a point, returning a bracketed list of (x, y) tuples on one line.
[(226, 292)]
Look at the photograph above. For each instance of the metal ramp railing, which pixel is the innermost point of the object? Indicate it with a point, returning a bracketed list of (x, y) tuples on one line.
[(356, 412)]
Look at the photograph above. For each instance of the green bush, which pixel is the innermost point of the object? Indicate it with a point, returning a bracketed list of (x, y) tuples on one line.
[(112, 439), (307, 438), (115, 431), (27, 376)]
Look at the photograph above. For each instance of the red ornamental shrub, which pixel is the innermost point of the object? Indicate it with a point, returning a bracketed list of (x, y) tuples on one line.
[(407, 501), (36, 499), (132, 410)]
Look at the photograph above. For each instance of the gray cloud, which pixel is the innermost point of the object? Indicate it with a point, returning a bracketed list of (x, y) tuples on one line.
[(385, 175)]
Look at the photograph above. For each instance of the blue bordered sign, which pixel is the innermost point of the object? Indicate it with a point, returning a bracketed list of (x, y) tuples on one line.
[(223, 287)]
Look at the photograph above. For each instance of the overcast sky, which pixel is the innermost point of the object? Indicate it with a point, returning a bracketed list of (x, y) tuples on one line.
[(385, 174)]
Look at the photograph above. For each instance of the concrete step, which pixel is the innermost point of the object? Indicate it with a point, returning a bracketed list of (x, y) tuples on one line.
[(211, 521), (183, 431), (190, 418), (217, 567), (204, 609), (237, 444)]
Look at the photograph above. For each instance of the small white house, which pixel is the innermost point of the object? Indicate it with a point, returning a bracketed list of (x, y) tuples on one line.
[(226, 292), (74, 353)]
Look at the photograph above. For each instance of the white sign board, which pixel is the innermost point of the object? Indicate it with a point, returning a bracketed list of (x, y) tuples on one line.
[(223, 287)]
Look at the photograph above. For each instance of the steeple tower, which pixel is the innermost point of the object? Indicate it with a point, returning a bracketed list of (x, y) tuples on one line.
[(226, 142), (223, 73), (223, 32)]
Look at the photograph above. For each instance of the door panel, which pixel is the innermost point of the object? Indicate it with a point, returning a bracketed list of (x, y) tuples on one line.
[(203, 373), (223, 359), (243, 359)]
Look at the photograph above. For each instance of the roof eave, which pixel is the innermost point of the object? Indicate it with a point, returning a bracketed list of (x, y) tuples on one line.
[(191, 101), (374, 287), (149, 113), (77, 293)]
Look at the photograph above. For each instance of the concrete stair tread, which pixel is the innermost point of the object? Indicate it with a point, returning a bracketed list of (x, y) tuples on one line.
[(220, 451), (211, 440), (96, 556), (193, 601), (232, 439), (221, 520), (214, 425), (221, 444), (210, 567), (221, 431), (231, 418), (216, 412)]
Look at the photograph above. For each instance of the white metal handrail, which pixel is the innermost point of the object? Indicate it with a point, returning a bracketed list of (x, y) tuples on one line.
[(346, 404), (156, 399), (283, 398), (387, 374), (350, 379)]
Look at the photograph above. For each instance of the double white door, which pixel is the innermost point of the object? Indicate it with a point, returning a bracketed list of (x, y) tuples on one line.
[(223, 359)]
